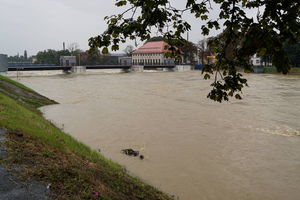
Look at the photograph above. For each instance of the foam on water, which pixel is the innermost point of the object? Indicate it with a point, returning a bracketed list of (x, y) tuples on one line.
[(280, 130)]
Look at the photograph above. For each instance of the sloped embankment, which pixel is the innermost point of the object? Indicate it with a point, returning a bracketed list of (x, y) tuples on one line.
[(46, 154)]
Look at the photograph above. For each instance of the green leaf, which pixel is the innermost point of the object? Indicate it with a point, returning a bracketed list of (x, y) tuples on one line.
[(262, 52), (204, 17), (121, 3), (105, 50), (206, 76)]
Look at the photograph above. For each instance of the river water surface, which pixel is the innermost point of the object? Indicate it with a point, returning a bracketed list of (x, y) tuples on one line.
[(194, 148)]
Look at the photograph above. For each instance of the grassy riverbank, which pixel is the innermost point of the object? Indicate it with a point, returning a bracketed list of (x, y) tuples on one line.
[(47, 154), (273, 70)]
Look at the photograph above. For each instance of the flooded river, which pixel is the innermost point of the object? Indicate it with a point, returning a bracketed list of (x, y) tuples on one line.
[(194, 148)]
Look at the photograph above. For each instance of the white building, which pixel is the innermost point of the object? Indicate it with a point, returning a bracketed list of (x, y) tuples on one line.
[(258, 61), (68, 61), (255, 60), (152, 53)]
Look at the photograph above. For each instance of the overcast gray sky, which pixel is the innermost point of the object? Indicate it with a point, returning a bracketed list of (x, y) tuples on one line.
[(37, 25)]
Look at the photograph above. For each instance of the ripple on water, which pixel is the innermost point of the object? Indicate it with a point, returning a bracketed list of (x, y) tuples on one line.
[(280, 130)]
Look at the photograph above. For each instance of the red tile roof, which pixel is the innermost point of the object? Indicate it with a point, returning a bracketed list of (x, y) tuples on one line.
[(152, 47)]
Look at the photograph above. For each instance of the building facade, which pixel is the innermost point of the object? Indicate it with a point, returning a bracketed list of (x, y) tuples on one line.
[(68, 61), (125, 60), (255, 60), (3, 63), (152, 53)]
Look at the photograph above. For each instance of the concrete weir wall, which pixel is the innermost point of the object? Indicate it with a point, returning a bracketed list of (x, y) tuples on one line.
[(258, 69), (182, 68), (137, 68), (3, 64), (78, 69)]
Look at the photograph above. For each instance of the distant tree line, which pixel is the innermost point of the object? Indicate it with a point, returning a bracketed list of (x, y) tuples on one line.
[(192, 53), (51, 56), (82, 57), (19, 58), (96, 58)]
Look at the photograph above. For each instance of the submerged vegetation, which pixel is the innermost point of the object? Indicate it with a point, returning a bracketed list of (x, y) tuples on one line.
[(45, 153)]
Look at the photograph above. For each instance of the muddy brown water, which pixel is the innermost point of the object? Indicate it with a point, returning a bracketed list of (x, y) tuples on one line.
[(194, 148)]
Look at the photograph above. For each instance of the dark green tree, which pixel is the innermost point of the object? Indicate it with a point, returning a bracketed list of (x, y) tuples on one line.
[(14, 59), (277, 22), (189, 52), (25, 55), (94, 57), (156, 39), (51, 56), (293, 51)]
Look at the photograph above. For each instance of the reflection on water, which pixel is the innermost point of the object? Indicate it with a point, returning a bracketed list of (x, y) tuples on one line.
[(193, 148)]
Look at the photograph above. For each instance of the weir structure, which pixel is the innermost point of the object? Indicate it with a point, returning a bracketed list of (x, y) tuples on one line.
[(82, 69)]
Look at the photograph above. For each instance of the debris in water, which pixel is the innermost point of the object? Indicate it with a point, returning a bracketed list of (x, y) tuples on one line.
[(130, 152)]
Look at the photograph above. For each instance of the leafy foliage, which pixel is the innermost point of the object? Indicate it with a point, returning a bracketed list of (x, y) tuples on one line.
[(277, 22), (155, 39), (189, 52), (293, 51), (204, 50), (94, 57), (51, 56)]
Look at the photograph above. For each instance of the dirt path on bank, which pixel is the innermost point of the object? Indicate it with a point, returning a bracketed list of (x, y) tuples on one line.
[(12, 188)]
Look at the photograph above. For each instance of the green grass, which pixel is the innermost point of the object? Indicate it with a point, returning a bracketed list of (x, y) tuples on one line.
[(295, 70), (272, 70), (50, 155), (8, 80), (17, 117), (23, 94)]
